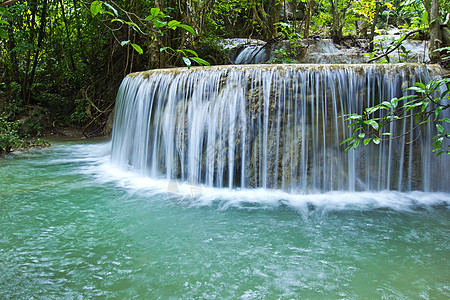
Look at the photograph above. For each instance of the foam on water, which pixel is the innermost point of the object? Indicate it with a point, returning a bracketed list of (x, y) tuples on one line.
[(94, 161)]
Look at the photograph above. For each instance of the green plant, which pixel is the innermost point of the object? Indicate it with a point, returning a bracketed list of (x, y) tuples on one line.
[(283, 57), (188, 56), (288, 30), (425, 105), (80, 115), (3, 25), (381, 50), (9, 137), (155, 26)]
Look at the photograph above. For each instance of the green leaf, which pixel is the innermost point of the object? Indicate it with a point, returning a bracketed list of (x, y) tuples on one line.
[(367, 141), (405, 98), (3, 22), (440, 153), (417, 117), (447, 120), (438, 111), (200, 61), (387, 104), (412, 104), (155, 11), (361, 135), (96, 7), (353, 117), (123, 43), (417, 89), (132, 25), (371, 110), (187, 28), (191, 52), (112, 8), (158, 23), (424, 107), (424, 19), (187, 61), (164, 49), (440, 128), (137, 48), (348, 147), (437, 144), (348, 140), (173, 24), (376, 141), (356, 129), (374, 124), (420, 85)]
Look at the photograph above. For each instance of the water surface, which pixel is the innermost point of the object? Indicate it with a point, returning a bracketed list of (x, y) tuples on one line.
[(72, 226)]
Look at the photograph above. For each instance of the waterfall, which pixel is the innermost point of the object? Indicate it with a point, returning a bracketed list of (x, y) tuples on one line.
[(271, 126), (254, 54)]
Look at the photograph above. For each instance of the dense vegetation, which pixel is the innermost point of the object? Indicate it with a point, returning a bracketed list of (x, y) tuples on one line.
[(62, 61)]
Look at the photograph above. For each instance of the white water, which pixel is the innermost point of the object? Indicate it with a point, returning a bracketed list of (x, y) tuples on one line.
[(246, 51), (269, 127), (95, 161), (254, 54)]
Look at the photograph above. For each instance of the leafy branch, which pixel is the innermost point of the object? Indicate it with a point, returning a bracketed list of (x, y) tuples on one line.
[(188, 56), (425, 105), (394, 46), (156, 19)]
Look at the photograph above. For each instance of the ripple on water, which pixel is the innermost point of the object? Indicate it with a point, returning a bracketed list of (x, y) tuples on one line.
[(84, 229)]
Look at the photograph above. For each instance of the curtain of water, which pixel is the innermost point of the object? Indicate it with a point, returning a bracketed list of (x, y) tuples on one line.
[(271, 127)]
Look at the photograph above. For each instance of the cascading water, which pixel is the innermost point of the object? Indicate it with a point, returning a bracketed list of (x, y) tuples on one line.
[(247, 51), (271, 126), (254, 54)]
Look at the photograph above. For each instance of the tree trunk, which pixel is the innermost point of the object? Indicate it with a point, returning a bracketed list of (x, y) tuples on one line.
[(374, 25), (40, 38), (309, 13), (267, 24), (338, 22), (68, 48), (439, 33)]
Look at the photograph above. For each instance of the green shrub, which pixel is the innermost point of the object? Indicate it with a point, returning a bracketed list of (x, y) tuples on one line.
[(9, 137)]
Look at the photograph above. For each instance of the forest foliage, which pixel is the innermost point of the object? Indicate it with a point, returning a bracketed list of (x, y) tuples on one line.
[(68, 57)]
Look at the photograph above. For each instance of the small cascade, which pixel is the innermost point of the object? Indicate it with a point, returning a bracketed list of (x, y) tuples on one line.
[(413, 51), (271, 126), (247, 51), (251, 55), (325, 51)]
